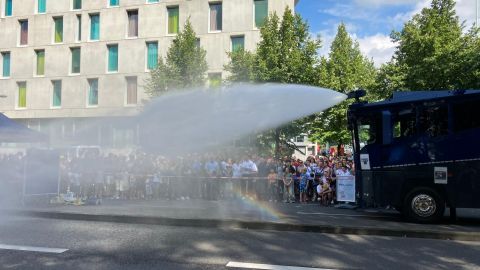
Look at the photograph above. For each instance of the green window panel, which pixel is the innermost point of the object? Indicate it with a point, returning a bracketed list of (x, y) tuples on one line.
[(42, 6), (77, 4), (112, 58), (75, 60), (114, 3), (40, 63), (215, 80), (173, 20), (58, 29), (94, 27), (238, 44), (93, 92), (79, 27), (261, 12), (8, 7), (152, 55), (57, 94), (6, 64), (22, 95), (152, 1)]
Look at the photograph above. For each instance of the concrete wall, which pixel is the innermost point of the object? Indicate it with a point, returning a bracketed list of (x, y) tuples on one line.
[(237, 20)]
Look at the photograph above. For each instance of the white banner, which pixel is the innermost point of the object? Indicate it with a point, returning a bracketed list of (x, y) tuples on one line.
[(346, 188)]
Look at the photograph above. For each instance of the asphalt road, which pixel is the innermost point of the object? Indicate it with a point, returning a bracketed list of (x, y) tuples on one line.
[(101, 245)]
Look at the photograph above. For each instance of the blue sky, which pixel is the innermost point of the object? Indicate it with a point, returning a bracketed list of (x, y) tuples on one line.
[(368, 21)]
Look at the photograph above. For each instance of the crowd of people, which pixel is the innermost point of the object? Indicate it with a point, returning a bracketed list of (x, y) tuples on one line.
[(207, 176)]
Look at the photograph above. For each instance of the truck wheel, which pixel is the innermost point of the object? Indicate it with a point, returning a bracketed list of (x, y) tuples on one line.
[(424, 205)]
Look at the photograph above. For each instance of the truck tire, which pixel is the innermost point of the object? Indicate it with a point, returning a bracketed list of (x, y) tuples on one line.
[(424, 205)]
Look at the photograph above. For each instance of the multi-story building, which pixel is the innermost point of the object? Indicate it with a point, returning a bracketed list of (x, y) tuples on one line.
[(62, 61)]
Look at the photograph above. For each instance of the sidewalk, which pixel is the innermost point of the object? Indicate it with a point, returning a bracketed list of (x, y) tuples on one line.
[(250, 214)]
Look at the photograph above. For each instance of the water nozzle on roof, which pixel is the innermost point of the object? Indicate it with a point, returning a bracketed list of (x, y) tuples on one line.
[(357, 94)]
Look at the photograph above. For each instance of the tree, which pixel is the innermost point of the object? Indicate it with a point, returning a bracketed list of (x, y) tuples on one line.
[(388, 80), (285, 54), (185, 65), (345, 70), (430, 48), (241, 65)]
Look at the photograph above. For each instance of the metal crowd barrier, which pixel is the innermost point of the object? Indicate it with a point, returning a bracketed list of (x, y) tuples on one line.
[(136, 186)]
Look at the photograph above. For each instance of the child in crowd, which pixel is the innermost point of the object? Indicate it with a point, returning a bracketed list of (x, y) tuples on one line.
[(325, 193), (303, 185), (288, 193), (272, 185)]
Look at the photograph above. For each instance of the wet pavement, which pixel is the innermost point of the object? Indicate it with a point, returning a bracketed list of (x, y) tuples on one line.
[(262, 215)]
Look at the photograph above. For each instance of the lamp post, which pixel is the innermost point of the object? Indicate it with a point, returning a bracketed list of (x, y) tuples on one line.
[(476, 12)]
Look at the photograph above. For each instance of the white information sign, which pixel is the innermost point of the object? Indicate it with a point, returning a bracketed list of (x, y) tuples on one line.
[(346, 188), (440, 175), (365, 161)]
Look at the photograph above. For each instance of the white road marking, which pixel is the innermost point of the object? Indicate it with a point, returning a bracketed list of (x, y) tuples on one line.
[(269, 266), (34, 249), (340, 215)]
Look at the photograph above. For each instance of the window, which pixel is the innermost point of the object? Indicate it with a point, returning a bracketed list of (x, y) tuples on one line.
[(173, 20), (152, 55), (465, 115), (57, 94), (40, 62), (77, 4), (92, 92), (114, 3), (215, 17), (370, 129), (41, 6), (215, 80), (238, 43), (152, 1), (404, 123), (131, 90), (112, 58), (300, 139), (132, 23), (75, 60), (433, 120), (23, 32), (58, 35), (22, 95), (197, 43), (6, 64), (94, 26), (261, 12), (79, 28), (8, 7)]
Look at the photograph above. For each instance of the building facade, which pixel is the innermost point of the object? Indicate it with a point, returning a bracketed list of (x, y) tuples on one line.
[(66, 60)]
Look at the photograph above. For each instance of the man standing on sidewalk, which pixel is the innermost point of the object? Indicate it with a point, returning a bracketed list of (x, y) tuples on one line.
[(249, 169)]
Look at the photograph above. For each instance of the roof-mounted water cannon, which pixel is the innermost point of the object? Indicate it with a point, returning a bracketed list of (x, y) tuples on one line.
[(357, 94)]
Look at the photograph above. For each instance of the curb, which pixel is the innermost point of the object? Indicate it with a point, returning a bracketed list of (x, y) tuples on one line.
[(253, 225)]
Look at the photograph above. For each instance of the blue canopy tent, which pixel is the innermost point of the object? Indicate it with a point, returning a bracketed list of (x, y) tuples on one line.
[(13, 132)]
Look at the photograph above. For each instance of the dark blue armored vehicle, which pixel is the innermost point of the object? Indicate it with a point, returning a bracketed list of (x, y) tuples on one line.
[(418, 152)]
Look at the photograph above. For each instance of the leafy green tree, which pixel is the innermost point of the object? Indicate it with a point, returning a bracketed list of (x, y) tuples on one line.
[(469, 73), (185, 65), (430, 48), (388, 80), (286, 54), (241, 66), (345, 70)]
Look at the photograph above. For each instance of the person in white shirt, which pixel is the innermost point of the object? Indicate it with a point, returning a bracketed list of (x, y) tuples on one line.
[(249, 169), (343, 171)]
